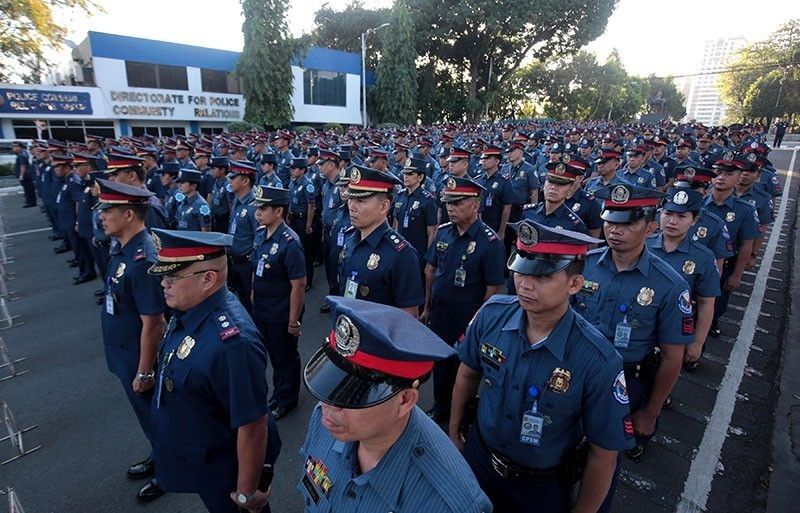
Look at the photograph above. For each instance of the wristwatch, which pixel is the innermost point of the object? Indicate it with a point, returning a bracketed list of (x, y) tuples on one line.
[(243, 498)]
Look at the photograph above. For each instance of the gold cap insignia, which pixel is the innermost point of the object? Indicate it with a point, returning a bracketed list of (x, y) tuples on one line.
[(156, 241), (560, 169)]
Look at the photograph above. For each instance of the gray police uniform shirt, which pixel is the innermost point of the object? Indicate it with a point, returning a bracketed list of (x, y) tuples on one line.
[(590, 398), (422, 472), (652, 296)]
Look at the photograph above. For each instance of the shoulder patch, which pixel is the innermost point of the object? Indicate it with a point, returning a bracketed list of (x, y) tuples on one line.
[(528, 206), (204, 210), (227, 329)]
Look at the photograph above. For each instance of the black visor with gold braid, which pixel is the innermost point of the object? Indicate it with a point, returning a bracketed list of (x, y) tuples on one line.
[(180, 249)]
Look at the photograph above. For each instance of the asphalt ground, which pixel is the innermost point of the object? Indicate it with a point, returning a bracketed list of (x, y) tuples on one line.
[(89, 435)]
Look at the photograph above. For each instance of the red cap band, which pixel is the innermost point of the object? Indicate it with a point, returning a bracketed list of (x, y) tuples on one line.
[(188, 252), (552, 248), (406, 370), (643, 202)]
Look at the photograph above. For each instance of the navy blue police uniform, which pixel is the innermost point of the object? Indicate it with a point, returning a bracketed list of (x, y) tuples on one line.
[(415, 212), (303, 193), (220, 197), (243, 226), (541, 398), (193, 213), (497, 192), (331, 200), (211, 380), (278, 259)]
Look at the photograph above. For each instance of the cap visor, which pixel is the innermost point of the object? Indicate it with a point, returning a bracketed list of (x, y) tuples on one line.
[(452, 198), (355, 193), (537, 265), (621, 216), (331, 383)]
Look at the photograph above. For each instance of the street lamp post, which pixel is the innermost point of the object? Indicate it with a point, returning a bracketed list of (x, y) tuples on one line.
[(364, 72)]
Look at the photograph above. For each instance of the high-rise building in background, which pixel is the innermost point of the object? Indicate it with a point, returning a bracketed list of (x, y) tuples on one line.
[(703, 102)]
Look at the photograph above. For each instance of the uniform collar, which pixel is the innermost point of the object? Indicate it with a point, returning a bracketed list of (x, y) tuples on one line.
[(658, 242), (643, 265), (555, 341), (278, 231), (247, 198), (374, 238), (729, 201), (383, 478), (191, 319), (130, 246)]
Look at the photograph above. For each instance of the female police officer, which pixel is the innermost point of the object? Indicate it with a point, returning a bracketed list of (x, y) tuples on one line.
[(279, 281)]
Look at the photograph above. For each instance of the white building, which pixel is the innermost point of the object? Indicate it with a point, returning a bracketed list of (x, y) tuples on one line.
[(120, 85), (703, 102)]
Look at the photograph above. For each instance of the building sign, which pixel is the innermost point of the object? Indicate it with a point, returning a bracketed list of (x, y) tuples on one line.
[(31, 101), (160, 104)]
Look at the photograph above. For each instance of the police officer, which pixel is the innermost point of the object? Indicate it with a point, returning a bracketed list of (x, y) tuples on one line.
[(301, 211), (709, 230), (283, 155), (695, 262), (243, 226), (24, 172), (550, 379), (748, 190), (279, 282), (634, 173), (84, 165), (415, 213), (369, 447), (376, 263), (193, 212), (552, 212), (132, 317), (219, 195), (464, 269), (152, 172), (523, 181), (67, 200), (268, 176), (496, 198), (173, 195), (742, 223), (213, 434), (639, 303), (338, 231), (183, 155), (331, 201), (128, 169), (607, 164)]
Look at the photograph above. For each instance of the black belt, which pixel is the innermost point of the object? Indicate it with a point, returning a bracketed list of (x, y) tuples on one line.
[(632, 370), (506, 468), (301, 215), (239, 259)]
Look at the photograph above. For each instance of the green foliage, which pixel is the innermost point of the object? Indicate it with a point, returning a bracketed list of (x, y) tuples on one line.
[(303, 128), (6, 169), (241, 126), (673, 99), (28, 30), (387, 126), (342, 29), (264, 67), (396, 88), (764, 78), (336, 127)]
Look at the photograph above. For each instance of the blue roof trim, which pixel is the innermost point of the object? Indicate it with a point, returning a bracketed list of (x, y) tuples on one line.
[(113, 46)]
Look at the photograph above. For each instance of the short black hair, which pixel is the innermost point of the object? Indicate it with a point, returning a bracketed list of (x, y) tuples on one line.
[(575, 267), (139, 210)]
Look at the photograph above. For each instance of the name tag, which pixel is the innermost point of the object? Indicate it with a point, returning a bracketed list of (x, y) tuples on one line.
[(260, 268), (233, 226), (622, 335), (340, 238), (350, 288), (110, 304), (489, 200), (530, 432)]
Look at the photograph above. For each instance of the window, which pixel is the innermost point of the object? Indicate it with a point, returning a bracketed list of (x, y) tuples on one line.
[(156, 76), (214, 81), (211, 130), (61, 129), (158, 131), (324, 88)]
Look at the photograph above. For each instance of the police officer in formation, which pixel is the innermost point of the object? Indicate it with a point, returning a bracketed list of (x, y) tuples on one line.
[(464, 268), (219, 195), (193, 213), (550, 379), (496, 199), (302, 207), (279, 281), (242, 227), (329, 164), (553, 212), (415, 212), (368, 446), (132, 315), (211, 426)]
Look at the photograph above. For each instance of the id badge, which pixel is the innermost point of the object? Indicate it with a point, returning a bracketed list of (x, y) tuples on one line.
[(531, 431), (350, 289), (460, 279), (405, 221), (622, 335), (489, 200), (233, 226), (340, 238), (110, 304), (260, 268), (330, 201)]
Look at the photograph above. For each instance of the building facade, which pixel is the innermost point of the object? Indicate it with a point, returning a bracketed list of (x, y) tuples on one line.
[(703, 102), (119, 85)]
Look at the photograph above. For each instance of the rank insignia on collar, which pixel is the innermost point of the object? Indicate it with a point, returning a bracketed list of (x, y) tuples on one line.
[(139, 255), (645, 296), (185, 348), (688, 267), (559, 380)]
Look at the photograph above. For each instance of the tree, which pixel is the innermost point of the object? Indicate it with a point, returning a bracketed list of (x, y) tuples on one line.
[(763, 70), (342, 29), (665, 89), (27, 31), (264, 67), (482, 35), (396, 87)]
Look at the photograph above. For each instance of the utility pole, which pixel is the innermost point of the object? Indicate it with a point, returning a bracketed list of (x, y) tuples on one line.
[(364, 72)]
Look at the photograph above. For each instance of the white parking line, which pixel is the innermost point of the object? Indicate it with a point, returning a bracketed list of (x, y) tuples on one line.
[(704, 465)]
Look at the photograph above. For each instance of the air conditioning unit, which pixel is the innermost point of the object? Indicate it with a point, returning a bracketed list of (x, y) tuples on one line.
[(77, 72)]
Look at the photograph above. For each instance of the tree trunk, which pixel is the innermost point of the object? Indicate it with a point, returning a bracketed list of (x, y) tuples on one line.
[(473, 91)]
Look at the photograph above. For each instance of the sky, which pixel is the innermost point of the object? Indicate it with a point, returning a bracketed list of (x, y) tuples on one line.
[(652, 36)]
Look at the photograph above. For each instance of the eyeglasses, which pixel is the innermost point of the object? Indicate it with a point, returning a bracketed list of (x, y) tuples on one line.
[(172, 278)]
